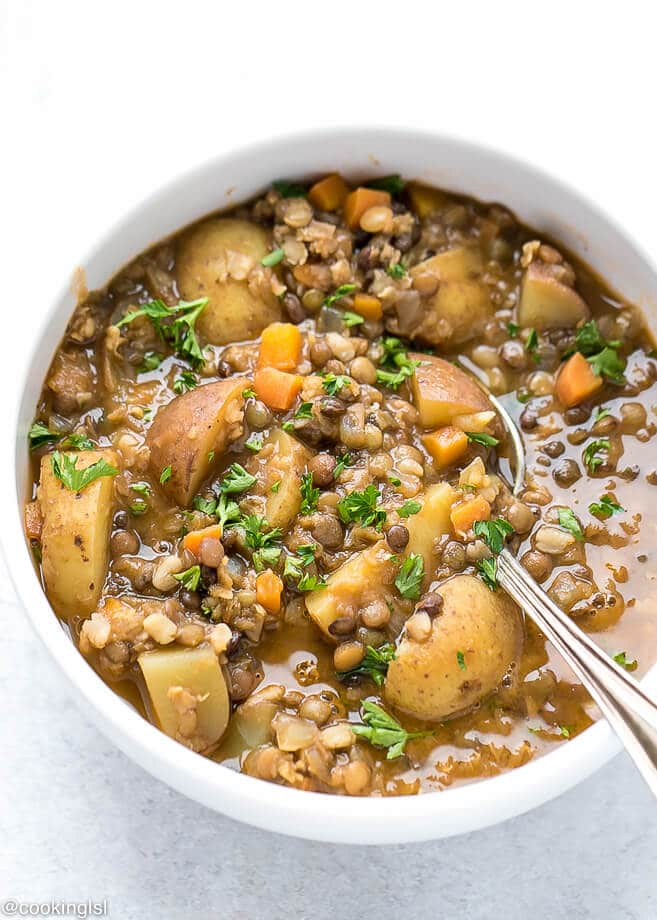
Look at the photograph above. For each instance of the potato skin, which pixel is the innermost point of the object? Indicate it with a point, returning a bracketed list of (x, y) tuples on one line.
[(442, 391), (233, 313), (426, 681), (75, 535), (186, 431)]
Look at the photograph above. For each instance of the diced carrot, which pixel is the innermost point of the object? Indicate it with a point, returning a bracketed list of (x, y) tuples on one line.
[(367, 306), (576, 381), (329, 193), (192, 540), (464, 515), (33, 521), (446, 445), (275, 388), (269, 588), (358, 201), (280, 346)]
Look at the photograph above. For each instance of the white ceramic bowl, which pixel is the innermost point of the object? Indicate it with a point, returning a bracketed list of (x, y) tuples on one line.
[(538, 200)]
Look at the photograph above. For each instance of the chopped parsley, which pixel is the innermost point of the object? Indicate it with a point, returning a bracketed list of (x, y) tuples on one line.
[(480, 437), (382, 730), (343, 461), (513, 329), (273, 258), (254, 442), (488, 571), (396, 366), (305, 410), (569, 522), (236, 480), (287, 426), (605, 507), (289, 189), (629, 664), (248, 393), (408, 508), (174, 325), (374, 665), (393, 184), (260, 538), (493, 533), (165, 475), (333, 383), (349, 318), (275, 486), (394, 480), (39, 435), (362, 508), (339, 292), (531, 345), (409, 579), (186, 381), (138, 508), (601, 353), (205, 505), (591, 455), (142, 488), (600, 413), (65, 469), (190, 578), (460, 658), (396, 271), (150, 362), (608, 363), (78, 442), (227, 511), (309, 494), (309, 582), (295, 564)]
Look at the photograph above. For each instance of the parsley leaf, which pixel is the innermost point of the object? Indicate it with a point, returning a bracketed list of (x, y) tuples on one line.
[(186, 381), (142, 488), (150, 362), (275, 486), (408, 508), (190, 578), (396, 271), (460, 658), (396, 366), (165, 475), (382, 730), (362, 508), (309, 494), (294, 564), (309, 582), (591, 453), (374, 665), (608, 363), (601, 353), (236, 480), (569, 522), (248, 393), (513, 329), (600, 413), (394, 480), (488, 571), (227, 511), (333, 384), (289, 189), (343, 461), (39, 435), (205, 505), (78, 442), (65, 469), (305, 410), (605, 507), (393, 184), (480, 437), (494, 533), (273, 258), (531, 345), (260, 538), (622, 659), (409, 579), (138, 508), (349, 318), (339, 292), (254, 442), (178, 330)]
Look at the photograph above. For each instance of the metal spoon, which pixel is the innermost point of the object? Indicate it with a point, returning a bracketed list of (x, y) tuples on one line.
[(628, 709)]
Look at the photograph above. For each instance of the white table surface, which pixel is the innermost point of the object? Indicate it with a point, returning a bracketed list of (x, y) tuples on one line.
[(102, 103)]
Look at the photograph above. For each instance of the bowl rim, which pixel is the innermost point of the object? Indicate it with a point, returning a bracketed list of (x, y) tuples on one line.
[(312, 815)]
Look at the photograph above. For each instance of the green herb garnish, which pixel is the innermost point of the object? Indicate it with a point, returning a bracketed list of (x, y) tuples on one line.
[(513, 329), (382, 730), (394, 480), (622, 659), (408, 508), (480, 437), (305, 410), (190, 578), (569, 522), (205, 505), (142, 488), (65, 469), (601, 353), (493, 533), (39, 435), (249, 392), (333, 383), (236, 480), (275, 486), (409, 579), (362, 508), (186, 381), (309, 582), (393, 184), (531, 345), (309, 494), (165, 475), (227, 511), (460, 658), (605, 507), (600, 413), (396, 271), (273, 258), (374, 665), (488, 571), (178, 330), (339, 292), (352, 319), (289, 189), (260, 538), (343, 461), (150, 362), (591, 453), (138, 508), (254, 442), (396, 366)]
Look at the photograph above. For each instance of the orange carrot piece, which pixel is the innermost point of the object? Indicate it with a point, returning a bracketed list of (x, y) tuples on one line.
[(367, 306), (358, 201), (329, 193), (576, 381), (464, 515), (446, 445), (275, 388), (192, 540), (280, 346), (269, 588)]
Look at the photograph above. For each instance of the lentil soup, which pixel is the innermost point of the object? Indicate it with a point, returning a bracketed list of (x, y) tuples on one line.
[(268, 492)]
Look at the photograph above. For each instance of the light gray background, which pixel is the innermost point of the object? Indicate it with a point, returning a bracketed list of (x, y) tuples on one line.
[(104, 102)]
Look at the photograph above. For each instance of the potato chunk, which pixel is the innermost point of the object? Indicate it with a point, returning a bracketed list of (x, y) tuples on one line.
[(190, 433), (75, 535), (188, 694), (474, 640), (460, 307), (430, 523), (284, 464), (442, 391), (365, 577), (546, 303), (213, 261)]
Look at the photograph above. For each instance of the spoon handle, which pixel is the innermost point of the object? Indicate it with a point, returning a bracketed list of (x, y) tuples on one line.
[(628, 709)]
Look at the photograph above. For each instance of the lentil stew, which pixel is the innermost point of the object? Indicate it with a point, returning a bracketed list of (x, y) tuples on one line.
[(268, 491)]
